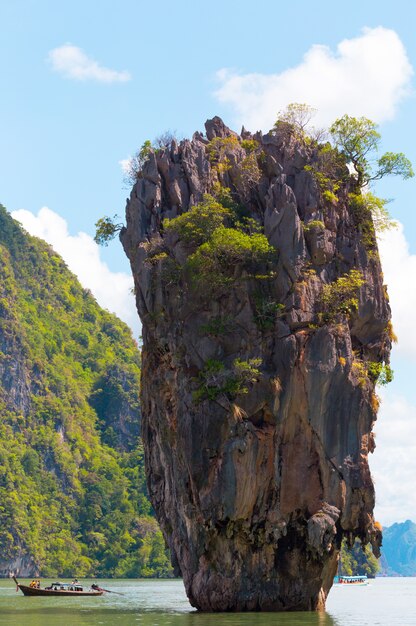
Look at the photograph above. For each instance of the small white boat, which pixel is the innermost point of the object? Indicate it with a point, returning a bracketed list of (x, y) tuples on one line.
[(356, 581)]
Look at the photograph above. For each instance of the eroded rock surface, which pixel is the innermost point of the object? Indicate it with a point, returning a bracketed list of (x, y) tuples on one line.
[(254, 493)]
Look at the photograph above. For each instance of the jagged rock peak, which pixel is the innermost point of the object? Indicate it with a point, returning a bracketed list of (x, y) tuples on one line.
[(217, 128), (258, 376)]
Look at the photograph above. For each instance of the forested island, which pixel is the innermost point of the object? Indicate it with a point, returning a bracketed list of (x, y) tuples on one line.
[(72, 483)]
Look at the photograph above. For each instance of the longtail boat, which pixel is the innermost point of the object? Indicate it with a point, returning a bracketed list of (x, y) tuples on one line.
[(59, 589)]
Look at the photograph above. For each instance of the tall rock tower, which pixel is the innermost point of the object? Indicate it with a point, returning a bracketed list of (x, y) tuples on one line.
[(265, 325)]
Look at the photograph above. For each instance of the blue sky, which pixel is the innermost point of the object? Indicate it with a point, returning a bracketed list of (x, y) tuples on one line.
[(85, 83)]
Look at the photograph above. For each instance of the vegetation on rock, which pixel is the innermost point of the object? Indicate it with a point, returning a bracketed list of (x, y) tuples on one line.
[(358, 139), (340, 298), (215, 379), (106, 228)]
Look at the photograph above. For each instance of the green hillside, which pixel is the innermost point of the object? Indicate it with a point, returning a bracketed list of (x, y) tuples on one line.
[(72, 485), (357, 561)]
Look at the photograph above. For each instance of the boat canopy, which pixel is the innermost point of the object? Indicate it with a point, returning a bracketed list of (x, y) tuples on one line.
[(353, 577)]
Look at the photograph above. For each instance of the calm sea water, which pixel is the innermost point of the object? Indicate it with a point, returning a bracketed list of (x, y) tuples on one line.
[(384, 602)]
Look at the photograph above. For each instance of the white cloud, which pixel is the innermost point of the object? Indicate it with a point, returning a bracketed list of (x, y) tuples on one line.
[(399, 268), (125, 165), (368, 75), (394, 463), (72, 62), (82, 255)]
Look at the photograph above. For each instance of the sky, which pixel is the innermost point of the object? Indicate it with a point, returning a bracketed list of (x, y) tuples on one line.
[(84, 84)]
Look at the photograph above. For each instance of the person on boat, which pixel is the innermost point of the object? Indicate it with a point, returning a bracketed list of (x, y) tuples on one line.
[(33, 583)]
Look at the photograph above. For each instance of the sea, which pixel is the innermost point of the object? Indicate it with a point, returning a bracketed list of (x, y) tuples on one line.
[(383, 602)]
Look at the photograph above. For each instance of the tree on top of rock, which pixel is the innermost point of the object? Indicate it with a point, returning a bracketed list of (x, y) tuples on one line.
[(358, 139)]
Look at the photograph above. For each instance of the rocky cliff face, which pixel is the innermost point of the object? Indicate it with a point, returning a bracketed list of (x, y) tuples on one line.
[(256, 484)]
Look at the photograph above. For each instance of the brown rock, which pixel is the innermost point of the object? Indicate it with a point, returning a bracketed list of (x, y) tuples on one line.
[(255, 493)]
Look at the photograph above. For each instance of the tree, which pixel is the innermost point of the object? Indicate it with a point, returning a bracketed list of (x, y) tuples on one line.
[(135, 164), (106, 229), (164, 140), (358, 560), (296, 118), (358, 139), (197, 225), (297, 115)]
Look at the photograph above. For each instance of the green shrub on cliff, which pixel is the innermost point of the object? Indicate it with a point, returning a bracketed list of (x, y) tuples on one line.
[(197, 225), (380, 373), (215, 379), (371, 217), (266, 310), (229, 252), (340, 297), (227, 244), (313, 225)]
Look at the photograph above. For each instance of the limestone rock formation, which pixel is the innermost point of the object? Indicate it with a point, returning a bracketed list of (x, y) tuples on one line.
[(256, 484)]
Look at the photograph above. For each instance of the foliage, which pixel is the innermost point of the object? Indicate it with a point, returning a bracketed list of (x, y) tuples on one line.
[(135, 165), (218, 148), (249, 173), (358, 560), (296, 117), (72, 480), (359, 368), (106, 228), (217, 326), (219, 261), (393, 164), (340, 297), (215, 379), (197, 225), (164, 140), (371, 216), (380, 373), (313, 225), (358, 139), (369, 208), (330, 196), (295, 120), (224, 197), (390, 332), (266, 311), (250, 145), (328, 169)]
